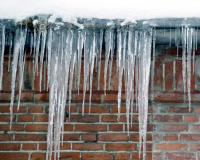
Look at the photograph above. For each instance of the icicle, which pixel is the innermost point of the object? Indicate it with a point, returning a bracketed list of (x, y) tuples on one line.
[(170, 37), (194, 40), (49, 43), (99, 57), (2, 55), (184, 56), (42, 53), (10, 49)]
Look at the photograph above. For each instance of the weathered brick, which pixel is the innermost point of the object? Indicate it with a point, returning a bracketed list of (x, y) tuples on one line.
[(112, 137), (194, 146), (95, 109), (90, 127), (109, 118), (97, 156), (41, 118), (169, 76), (14, 127), (87, 146), (173, 127), (41, 97), (26, 97), (121, 147), (120, 156), (25, 118), (116, 127), (68, 127), (179, 109), (38, 156), (84, 119), (167, 118), (30, 137), (135, 137), (172, 147), (35, 109), (9, 147), (70, 155), (180, 156), (197, 109), (135, 156), (190, 137), (6, 137), (63, 146), (112, 98), (168, 98), (36, 127), (191, 118), (170, 137), (14, 156), (6, 109), (29, 146), (88, 137), (135, 127), (6, 118), (71, 137)]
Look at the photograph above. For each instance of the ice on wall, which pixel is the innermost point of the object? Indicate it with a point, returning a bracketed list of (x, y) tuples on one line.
[(64, 48)]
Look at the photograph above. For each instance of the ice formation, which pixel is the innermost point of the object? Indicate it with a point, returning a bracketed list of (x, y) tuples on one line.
[(63, 49)]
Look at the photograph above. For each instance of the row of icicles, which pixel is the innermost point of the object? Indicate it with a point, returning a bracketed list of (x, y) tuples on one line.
[(64, 48)]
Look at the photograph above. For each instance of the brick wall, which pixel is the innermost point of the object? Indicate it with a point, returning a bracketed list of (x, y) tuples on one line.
[(173, 131)]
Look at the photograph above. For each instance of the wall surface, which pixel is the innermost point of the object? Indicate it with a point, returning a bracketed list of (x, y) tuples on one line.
[(173, 132)]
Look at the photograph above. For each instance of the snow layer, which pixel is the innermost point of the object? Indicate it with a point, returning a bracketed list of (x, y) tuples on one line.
[(130, 10)]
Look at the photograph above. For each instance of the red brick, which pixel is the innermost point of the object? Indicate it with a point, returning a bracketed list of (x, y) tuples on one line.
[(41, 118), (169, 76), (120, 147), (96, 156), (95, 109), (195, 128), (170, 137), (115, 109), (29, 146), (112, 137), (197, 109), (179, 76), (167, 118), (135, 127), (68, 127), (5, 97), (25, 118), (194, 146), (120, 156), (90, 127), (6, 137), (96, 98), (87, 146), (10, 146), (38, 156), (179, 109), (70, 155), (64, 146), (109, 118), (35, 109), (173, 127), (135, 137), (84, 119), (14, 127), (36, 127), (190, 137), (112, 98), (191, 118), (116, 127), (157, 156), (26, 97), (148, 156), (71, 137), (30, 137), (157, 137), (6, 109), (41, 97), (168, 98), (6, 118), (180, 156), (14, 156), (158, 75), (88, 137), (172, 147), (73, 109)]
